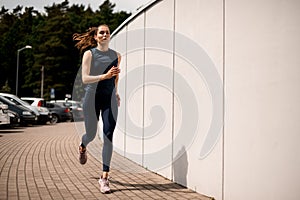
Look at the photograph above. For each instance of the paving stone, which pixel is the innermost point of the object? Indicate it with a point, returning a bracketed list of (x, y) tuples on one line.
[(41, 162)]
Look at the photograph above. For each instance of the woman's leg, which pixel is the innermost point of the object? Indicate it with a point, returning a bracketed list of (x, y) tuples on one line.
[(109, 118), (91, 116)]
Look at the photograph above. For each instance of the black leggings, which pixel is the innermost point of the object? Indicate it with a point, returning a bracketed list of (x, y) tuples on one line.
[(92, 105)]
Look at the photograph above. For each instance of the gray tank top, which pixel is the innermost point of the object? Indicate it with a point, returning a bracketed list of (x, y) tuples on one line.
[(102, 61)]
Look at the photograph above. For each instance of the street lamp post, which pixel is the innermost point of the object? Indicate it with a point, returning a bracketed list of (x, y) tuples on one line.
[(17, 76), (42, 82)]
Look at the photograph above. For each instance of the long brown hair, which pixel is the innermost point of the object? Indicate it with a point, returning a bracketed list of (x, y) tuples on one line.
[(85, 40)]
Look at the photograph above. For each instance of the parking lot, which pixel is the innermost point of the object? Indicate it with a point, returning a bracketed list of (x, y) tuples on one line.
[(41, 162), (23, 111)]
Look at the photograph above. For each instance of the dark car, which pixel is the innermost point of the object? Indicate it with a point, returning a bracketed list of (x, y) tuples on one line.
[(59, 113), (26, 115), (75, 107), (14, 118)]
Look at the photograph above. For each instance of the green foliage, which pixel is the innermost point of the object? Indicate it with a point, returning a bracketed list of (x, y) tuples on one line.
[(50, 35), (6, 87)]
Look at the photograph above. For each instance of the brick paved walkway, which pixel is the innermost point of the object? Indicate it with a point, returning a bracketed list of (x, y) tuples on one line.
[(41, 162)]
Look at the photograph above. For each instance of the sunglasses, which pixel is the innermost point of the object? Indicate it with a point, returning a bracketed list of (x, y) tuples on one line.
[(102, 32)]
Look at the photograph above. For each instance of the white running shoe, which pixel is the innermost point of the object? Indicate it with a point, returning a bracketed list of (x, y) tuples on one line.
[(104, 185)]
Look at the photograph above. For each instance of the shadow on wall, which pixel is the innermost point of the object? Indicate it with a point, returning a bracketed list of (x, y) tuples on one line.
[(180, 166)]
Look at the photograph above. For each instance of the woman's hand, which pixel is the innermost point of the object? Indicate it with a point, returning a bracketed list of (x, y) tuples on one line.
[(114, 71), (118, 99)]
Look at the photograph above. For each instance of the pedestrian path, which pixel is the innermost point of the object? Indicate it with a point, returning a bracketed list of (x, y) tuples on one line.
[(41, 162)]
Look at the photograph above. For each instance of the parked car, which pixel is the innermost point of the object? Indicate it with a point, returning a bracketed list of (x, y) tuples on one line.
[(59, 113), (14, 118), (43, 114), (27, 116), (75, 106), (4, 117), (40, 104)]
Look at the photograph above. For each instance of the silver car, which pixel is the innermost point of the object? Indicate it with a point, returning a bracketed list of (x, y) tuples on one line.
[(4, 116)]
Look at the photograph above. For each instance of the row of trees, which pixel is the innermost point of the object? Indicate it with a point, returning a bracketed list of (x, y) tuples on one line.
[(50, 35)]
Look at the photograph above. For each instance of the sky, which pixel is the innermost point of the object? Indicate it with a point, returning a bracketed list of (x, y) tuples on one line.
[(125, 5)]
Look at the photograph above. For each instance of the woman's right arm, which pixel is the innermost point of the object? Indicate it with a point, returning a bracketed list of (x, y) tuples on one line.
[(86, 68)]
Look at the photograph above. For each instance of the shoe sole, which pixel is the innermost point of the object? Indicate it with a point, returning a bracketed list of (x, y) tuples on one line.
[(108, 192)]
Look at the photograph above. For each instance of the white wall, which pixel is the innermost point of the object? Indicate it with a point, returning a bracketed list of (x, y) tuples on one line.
[(262, 99), (159, 69), (178, 57), (205, 28)]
